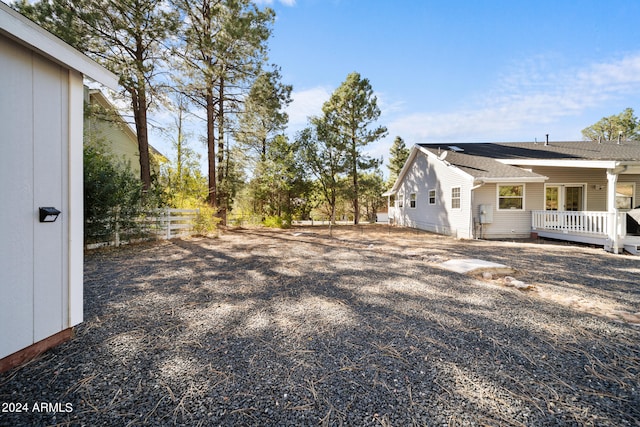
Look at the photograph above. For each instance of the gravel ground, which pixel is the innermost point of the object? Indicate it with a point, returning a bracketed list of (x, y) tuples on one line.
[(262, 327)]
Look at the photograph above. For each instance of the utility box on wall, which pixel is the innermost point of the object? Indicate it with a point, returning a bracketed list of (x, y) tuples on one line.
[(486, 214), (41, 250)]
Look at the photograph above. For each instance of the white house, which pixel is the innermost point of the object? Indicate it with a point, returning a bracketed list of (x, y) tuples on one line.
[(105, 125), (41, 118), (578, 191)]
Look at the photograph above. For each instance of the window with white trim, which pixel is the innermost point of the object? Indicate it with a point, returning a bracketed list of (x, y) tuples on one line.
[(400, 200), (624, 195), (412, 200), (455, 198), (432, 197), (511, 197)]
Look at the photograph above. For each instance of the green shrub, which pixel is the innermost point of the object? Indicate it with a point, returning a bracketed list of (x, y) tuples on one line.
[(206, 222), (112, 197), (277, 222)]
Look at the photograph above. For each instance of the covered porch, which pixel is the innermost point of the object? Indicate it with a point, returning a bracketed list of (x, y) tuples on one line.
[(569, 213)]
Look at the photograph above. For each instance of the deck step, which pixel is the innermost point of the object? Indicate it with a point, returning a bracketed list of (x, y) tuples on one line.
[(632, 249)]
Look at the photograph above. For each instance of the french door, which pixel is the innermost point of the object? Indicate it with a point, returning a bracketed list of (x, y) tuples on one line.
[(564, 198), (558, 200)]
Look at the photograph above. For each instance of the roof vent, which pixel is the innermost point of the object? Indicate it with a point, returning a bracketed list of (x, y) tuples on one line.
[(546, 141)]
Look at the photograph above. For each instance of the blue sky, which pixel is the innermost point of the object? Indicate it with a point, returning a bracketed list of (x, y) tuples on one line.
[(464, 71)]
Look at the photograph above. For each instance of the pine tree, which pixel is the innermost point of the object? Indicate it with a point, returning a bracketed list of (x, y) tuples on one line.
[(127, 37), (323, 157), (223, 47), (264, 118), (398, 154), (349, 115)]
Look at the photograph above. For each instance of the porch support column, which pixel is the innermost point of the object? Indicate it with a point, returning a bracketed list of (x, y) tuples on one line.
[(612, 179)]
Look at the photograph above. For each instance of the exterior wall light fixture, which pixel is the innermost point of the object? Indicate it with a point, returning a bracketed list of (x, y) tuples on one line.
[(49, 214)]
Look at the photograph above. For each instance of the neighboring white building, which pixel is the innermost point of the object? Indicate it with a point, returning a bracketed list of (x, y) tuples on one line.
[(576, 191), (105, 125), (435, 190), (41, 118)]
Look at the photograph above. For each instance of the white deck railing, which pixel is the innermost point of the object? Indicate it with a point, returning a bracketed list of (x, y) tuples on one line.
[(580, 222)]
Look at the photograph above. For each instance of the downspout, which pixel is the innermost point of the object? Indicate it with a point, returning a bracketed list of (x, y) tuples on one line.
[(471, 223)]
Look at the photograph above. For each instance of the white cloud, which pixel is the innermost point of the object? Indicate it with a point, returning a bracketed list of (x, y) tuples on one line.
[(387, 105), (526, 98), (306, 103)]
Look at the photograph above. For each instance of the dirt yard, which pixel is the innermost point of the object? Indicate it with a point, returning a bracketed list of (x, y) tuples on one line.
[(364, 327)]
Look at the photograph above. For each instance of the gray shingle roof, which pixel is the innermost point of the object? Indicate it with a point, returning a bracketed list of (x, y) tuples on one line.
[(576, 150), (483, 167)]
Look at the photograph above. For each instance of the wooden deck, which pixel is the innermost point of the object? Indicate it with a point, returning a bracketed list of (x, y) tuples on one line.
[(585, 227), (591, 239)]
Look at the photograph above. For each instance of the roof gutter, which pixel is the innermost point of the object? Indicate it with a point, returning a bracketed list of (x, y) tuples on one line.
[(541, 178), (479, 183), (620, 169)]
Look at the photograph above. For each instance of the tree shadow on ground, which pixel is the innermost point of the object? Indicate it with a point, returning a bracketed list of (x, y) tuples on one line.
[(268, 328)]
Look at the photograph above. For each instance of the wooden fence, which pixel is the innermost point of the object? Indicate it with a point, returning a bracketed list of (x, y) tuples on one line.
[(158, 224)]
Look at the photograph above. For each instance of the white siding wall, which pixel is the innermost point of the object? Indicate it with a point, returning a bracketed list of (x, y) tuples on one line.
[(34, 256), (122, 144), (507, 223), (595, 180), (50, 181), (518, 223), (596, 200), (17, 218), (426, 174)]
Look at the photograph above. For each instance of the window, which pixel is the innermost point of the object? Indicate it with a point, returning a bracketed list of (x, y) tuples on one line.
[(455, 198), (412, 200), (511, 197), (400, 200), (552, 198), (432, 197), (624, 195)]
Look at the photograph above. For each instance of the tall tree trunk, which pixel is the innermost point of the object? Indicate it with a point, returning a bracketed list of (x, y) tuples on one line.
[(179, 145), (211, 147), (332, 219), (180, 182), (356, 207), (139, 105), (138, 92), (222, 193), (354, 171)]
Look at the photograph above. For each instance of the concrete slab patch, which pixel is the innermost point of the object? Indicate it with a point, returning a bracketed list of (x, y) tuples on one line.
[(476, 266)]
